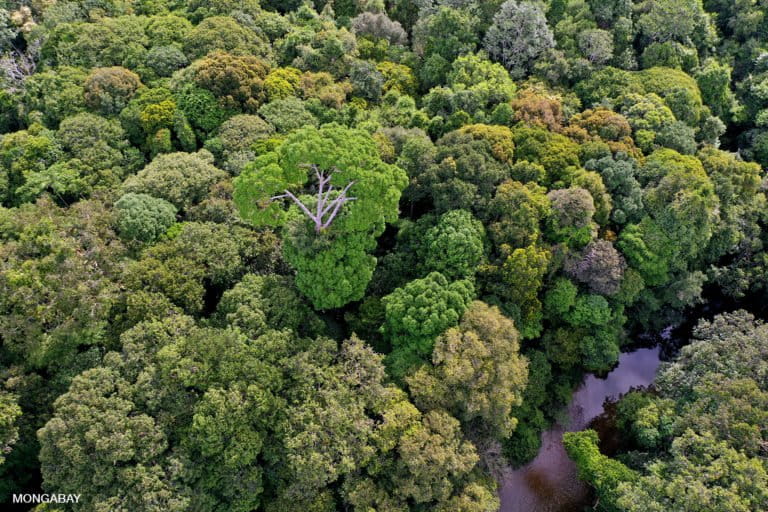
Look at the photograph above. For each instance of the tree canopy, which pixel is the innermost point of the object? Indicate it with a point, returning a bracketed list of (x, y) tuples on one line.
[(315, 255)]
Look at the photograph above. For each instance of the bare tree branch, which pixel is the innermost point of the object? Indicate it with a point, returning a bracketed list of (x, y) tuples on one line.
[(295, 200), (340, 201), (326, 208)]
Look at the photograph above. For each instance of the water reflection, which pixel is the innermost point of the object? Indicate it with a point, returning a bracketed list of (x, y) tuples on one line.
[(549, 483)]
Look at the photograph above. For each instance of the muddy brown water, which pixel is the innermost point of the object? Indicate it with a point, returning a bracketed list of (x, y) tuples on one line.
[(549, 483)]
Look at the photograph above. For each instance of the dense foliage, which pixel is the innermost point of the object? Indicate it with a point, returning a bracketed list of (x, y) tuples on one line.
[(356, 254), (699, 441)]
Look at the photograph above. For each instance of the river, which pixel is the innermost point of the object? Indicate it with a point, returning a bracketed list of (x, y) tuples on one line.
[(549, 483)]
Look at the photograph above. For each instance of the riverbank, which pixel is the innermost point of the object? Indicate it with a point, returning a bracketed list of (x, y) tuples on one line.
[(549, 483)]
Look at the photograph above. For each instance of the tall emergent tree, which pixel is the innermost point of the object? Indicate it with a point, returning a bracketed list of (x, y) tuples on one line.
[(518, 36), (332, 193)]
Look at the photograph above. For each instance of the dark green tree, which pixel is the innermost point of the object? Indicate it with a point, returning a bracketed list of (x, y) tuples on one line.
[(143, 218), (454, 247), (417, 313)]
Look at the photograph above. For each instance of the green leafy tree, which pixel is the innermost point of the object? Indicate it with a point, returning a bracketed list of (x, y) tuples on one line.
[(682, 199), (603, 123), (397, 77), (235, 140), (167, 29), (143, 218), (24, 154), (200, 9), (519, 35), (164, 61), (454, 247), (96, 431), (9, 429), (592, 337), (417, 313), (237, 81), (331, 271), (517, 211), (740, 485), (440, 38), (602, 472), (262, 302), (714, 80), (571, 220), (669, 54), (589, 310), (469, 164), (315, 43), (647, 421), (474, 85), (201, 109), (619, 176), (182, 179), (55, 93), (100, 156), (433, 467), (282, 83), (108, 90), (678, 136), (737, 231), (560, 298), (477, 372), (367, 82), (684, 21), (647, 114), (515, 281), (226, 34), (8, 32), (69, 280), (553, 151), (329, 235), (648, 250), (105, 42), (287, 115)]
